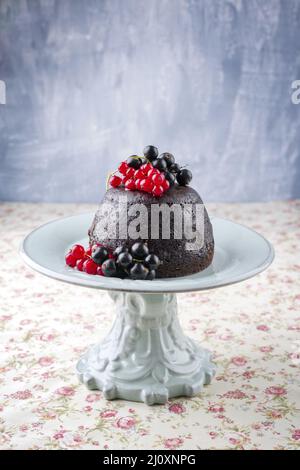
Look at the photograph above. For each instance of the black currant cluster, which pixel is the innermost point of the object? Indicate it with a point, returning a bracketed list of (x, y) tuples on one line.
[(134, 263), (166, 163), (137, 262)]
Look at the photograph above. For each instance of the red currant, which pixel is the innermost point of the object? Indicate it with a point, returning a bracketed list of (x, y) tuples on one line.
[(90, 267), (130, 172), (123, 167), (88, 251), (157, 179), (77, 251), (115, 181), (152, 173), (157, 190), (125, 179), (139, 174), (146, 167), (147, 185), (165, 184), (138, 184), (70, 259), (130, 184), (79, 264)]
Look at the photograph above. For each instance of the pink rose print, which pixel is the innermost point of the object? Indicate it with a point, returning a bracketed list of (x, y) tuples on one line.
[(216, 409), (210, 331), (87, 408), (294, 328), (108, 413), (22, 395), (296, 435), (65, 391), (173, 443), (126, 423), (225, 337), (93, 397), (58, 435), (275, 414), (45, 361), (177, 408), (262, 328), (266, 349), (256, 426), (295, 356), (236, 394), (277, 391), (239, 361), (5, 317), (234, 441), (23, 427), (47, 337), (248, 374)]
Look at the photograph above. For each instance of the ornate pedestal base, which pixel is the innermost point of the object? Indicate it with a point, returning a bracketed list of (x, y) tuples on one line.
[(146, 357)]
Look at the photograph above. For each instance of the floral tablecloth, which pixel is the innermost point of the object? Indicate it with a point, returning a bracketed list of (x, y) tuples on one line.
[(252, 328)]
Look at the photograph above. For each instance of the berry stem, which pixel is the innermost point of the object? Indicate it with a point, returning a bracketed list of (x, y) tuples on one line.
[(108, 178)]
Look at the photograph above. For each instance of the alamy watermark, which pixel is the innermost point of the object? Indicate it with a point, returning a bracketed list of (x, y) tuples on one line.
[(2, 92), (157, 221), (295, 97)]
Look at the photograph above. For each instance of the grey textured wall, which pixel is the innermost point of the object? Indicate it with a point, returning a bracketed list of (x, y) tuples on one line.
[(90, 82)]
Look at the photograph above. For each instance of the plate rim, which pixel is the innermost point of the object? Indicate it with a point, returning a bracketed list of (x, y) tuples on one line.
[(149, 286)]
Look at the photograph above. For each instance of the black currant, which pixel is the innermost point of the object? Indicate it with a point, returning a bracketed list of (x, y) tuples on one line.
[(121, 273), (139, 250), (174, 168), (134, 162), (184, 177), (99, 254), (160, 164), (138, 271), (151, 275), (143, 160), (170, 177), (168, 157), (109, 268), (120, 249), (124, 260), (152, 261), (151, 152)]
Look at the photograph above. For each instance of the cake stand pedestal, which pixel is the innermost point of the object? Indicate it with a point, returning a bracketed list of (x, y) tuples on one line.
[(146, 356)]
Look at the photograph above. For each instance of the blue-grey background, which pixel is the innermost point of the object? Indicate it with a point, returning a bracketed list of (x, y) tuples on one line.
[(91, 82)]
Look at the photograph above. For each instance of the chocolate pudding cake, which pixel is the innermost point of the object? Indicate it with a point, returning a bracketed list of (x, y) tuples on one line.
[(176, 259), (150, 223)]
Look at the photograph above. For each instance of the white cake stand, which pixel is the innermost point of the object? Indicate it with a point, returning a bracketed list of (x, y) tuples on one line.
[(146, 356)]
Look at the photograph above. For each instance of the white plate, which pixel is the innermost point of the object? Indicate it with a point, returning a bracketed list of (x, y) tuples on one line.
[(240, 253)]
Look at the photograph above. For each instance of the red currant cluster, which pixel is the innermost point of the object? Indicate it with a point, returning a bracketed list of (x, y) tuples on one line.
[(151, 173), (82, 260), (144, 178)]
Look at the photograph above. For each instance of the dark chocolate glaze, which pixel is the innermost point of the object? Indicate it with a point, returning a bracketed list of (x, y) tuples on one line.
[(176, 259)]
